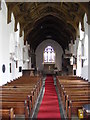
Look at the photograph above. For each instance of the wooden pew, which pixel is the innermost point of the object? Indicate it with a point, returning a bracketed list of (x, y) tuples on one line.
[(71, 83), (38, 85), (69, 77), (74, 106), (18, 95), (74, 93), (15, 98), (20, 108), (73, 90), (7, 114), (15, 93), (24, 80), (69, 99), (21, 91)]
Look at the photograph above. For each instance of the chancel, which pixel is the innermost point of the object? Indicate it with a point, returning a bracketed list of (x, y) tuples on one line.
[(44, 60)]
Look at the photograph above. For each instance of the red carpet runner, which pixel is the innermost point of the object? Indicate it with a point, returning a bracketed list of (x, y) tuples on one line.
[(49, 107)]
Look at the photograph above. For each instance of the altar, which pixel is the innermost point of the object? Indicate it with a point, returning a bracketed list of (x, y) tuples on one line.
[(48, 68)]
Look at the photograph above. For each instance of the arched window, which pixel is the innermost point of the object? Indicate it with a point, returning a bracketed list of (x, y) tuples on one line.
[(49, 55)]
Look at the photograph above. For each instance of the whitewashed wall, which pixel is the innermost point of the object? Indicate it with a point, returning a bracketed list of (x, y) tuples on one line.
[(10, 43), (85, 45), (83, 51), (4, 42), (79, 59), (39, 53)]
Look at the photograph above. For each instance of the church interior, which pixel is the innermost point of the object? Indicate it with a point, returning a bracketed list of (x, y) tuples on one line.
[(44, 60)]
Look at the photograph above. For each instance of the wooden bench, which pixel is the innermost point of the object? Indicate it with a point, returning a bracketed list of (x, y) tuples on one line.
[(74, 93), (72, 89), (16, 98), (69, 77), (7, 114), (74, 106), (20, 108), (21, 95), (26, 91)]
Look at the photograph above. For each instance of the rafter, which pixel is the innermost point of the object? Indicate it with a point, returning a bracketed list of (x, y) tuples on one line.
[(29, 15)]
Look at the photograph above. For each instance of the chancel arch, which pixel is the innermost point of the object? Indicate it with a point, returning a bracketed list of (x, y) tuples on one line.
[(58, 54)]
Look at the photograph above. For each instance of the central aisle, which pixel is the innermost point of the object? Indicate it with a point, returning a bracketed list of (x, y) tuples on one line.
[(49, 107)]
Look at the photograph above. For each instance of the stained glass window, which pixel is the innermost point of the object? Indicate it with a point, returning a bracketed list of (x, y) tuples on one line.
[(49, 55)]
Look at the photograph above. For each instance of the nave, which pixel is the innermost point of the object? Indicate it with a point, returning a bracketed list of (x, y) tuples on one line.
[(62, 97), (39, 39)]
